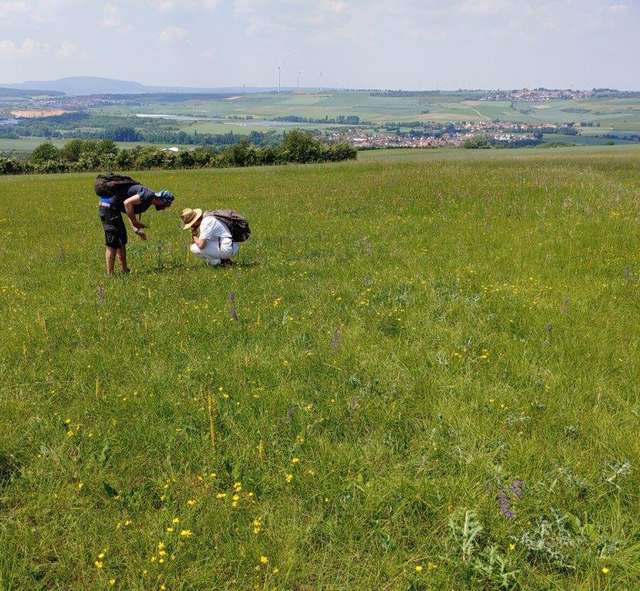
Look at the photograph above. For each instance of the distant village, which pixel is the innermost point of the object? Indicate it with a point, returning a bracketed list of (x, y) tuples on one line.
[(538, 95), (451, 134)]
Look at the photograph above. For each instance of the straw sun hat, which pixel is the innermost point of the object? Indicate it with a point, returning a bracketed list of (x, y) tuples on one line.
[(190, 217)]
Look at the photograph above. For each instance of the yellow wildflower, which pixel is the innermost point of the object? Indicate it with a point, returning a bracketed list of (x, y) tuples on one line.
[(186, 533), (289, 477), (264, 560), (605, 570), (419, 569)]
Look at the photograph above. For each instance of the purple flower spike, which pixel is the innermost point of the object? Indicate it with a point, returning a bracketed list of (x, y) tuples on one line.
[(504, 504), (517, 488)]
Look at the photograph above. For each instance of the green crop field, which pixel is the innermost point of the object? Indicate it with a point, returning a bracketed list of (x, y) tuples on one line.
[(245, 128), (421, 374), (25, 146), (622, 114), (266, 106)]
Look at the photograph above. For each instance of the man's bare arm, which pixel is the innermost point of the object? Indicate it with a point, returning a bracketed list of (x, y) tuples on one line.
[(129, 207)]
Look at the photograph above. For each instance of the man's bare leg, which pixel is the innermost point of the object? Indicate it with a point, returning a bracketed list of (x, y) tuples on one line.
[(122, 255), (110, 257)]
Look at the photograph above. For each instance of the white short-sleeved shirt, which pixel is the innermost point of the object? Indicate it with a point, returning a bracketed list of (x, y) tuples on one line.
[(212, 228)]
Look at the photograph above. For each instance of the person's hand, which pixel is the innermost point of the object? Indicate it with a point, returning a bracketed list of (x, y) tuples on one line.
[(139, 225), (141, 234)]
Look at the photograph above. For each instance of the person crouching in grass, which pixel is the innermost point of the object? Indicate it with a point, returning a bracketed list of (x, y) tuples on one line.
[(135, 201), (211, 239)]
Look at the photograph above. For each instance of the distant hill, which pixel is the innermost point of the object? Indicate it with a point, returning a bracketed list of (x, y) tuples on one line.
[(25, 93), (84, 85)]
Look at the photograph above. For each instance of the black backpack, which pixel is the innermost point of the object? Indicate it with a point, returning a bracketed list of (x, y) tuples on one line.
[(237, 224), (113, 185)]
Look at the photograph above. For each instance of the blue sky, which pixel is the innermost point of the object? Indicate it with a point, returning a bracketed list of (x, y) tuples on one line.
[(413, 44)]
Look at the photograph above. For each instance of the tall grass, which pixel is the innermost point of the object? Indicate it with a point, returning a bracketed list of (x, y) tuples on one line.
[(426, 378)]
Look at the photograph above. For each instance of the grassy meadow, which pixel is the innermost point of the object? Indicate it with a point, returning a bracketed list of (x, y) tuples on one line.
[(422, 374)]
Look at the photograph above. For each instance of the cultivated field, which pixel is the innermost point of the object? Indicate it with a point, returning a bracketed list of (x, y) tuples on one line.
[(421, 375), (609, 114)]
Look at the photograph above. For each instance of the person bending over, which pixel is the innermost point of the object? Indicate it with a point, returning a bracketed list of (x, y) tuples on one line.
[(132, 201), (211, 238)]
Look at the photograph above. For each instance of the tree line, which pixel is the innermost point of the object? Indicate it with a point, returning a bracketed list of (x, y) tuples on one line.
[(339, 120), (96, 155), (153, 135)]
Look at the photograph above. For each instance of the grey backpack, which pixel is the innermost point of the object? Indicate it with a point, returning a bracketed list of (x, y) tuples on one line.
[(238, 225)]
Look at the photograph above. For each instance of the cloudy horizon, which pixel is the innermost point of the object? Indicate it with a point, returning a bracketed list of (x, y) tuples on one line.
[(411, 44)]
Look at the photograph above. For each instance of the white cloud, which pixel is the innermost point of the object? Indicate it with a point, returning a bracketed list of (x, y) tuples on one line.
[(21, 13), (335, 6), (618, 8), (166, 6), (10, 8), (209, 54), (27, 48), (206, 4), (68, 50), (173, 34), (112, 19), (484, 7), (190, 5), (277, 16)]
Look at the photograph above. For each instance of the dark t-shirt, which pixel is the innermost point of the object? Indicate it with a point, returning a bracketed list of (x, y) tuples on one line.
[(146, 195)]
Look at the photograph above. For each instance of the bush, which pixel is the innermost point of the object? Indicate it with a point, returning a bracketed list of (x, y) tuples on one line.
[(44, 153), (72, 151), (94, 155), (13, 166), (338, 152), (50, 167), (478, 142), (301, 147)]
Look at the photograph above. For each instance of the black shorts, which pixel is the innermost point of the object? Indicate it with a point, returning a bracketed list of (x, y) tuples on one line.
[(115, 232)]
